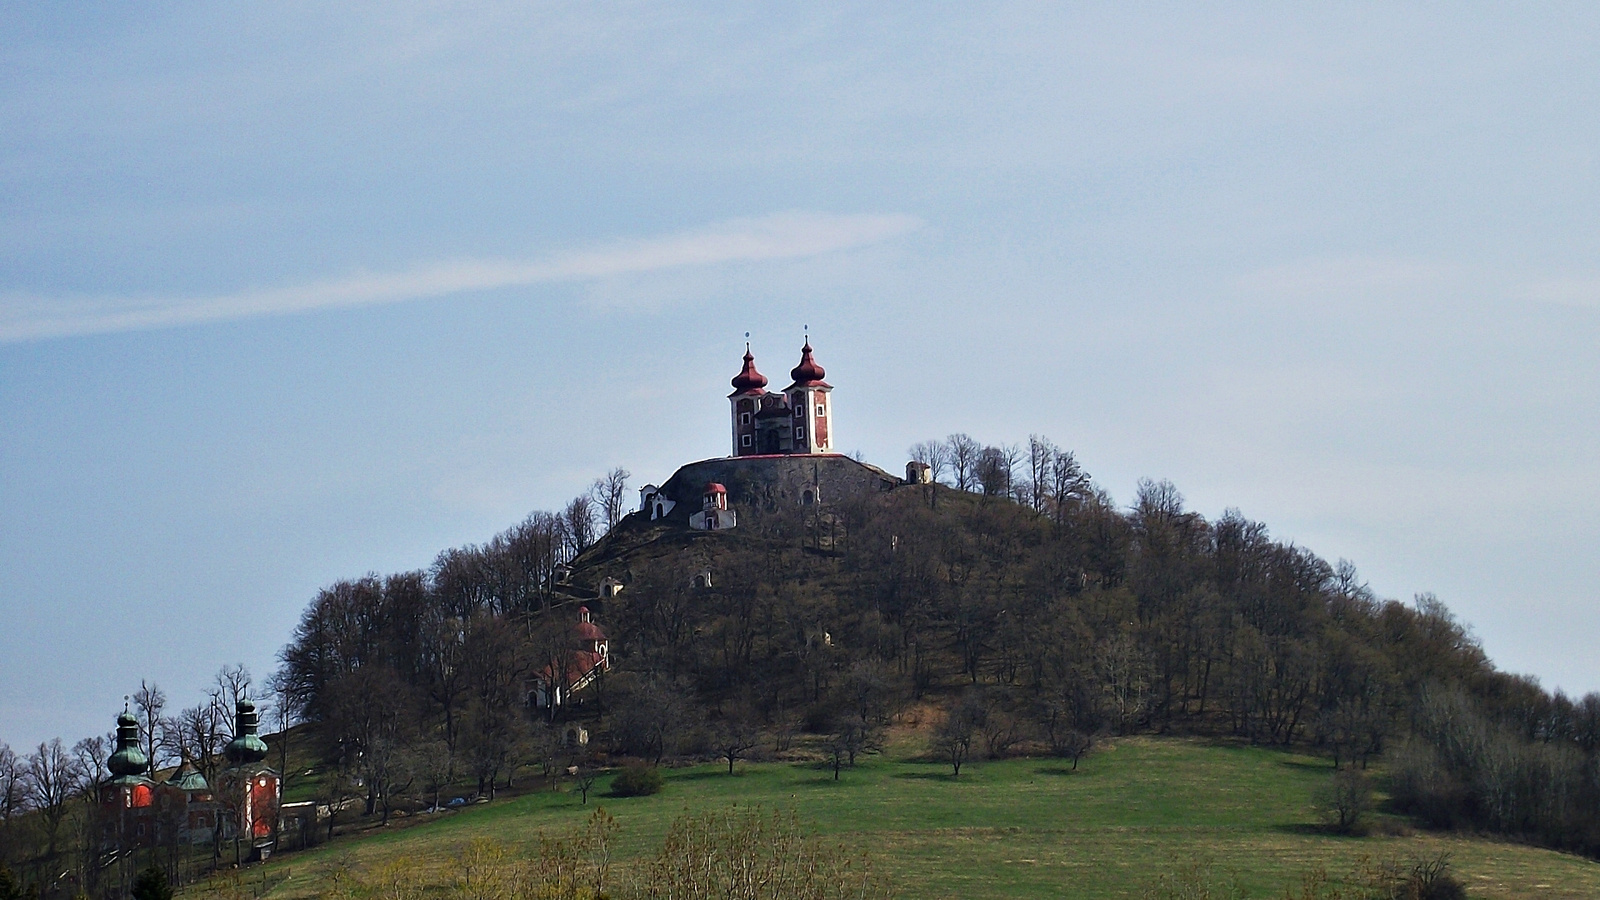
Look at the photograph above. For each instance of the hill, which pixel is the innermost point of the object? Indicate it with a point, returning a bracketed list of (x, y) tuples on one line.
[(1027, 626), (1045, 617)]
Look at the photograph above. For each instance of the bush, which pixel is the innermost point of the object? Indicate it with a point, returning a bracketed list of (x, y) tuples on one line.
[(636, 781), (1345, 800), (151, 884), (746, 853), (1428, 879)]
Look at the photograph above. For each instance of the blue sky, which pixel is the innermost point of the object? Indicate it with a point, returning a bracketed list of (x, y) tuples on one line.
[(291, 294)]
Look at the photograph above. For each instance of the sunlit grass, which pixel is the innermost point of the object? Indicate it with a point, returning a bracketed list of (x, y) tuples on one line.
[(1017, 828)]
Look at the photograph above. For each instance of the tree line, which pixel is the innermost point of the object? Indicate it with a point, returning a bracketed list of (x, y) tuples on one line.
[(1013, 592)]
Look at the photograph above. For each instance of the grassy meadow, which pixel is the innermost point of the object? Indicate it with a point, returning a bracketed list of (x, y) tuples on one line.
[(1015, 828)]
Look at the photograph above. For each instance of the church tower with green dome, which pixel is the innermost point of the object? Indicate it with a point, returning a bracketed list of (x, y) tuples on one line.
[(127, 801), (128, 764), (259, 785)]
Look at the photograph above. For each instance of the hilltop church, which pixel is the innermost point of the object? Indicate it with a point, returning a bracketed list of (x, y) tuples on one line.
[(794, 421), (782, 451)]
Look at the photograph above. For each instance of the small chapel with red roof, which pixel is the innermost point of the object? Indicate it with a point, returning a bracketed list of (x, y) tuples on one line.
[(580, 666)]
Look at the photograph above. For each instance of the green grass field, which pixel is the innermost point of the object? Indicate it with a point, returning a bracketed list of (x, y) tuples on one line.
[(1016, 828)]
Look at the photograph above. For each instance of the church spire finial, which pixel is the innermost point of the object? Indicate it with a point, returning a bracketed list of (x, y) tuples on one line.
[(748, 380)]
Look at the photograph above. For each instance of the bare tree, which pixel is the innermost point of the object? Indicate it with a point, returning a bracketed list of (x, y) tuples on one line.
[(583, 773), (996, 470), (954, 736), (611, 492), (1123, 669), (850, 738), (53, 777), (391, 769), (335, 791), (148, 702), (433, 764), (500, 658), (931, 454), (285, 710), (1011, 456), (92, 754), (1041, 459), (234, 683), (962, 452), (443, 669), (13, 793), (203, 730), (1068, 484), (1002, 732), (1345, 799), (651, 718), (735, 736), (579, 524)]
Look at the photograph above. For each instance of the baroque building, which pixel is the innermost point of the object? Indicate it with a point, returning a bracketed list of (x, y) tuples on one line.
[(584, 662), (796, 420), (137, 811)]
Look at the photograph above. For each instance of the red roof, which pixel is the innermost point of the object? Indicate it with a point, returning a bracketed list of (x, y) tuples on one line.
[(749, 381), (808, 372), (586, 629), (715, 488), (579, 664)]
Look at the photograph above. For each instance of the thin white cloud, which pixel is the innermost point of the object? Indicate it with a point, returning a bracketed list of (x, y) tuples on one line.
[(789, 235)]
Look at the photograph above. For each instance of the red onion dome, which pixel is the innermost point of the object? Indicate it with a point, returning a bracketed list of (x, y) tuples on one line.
[(808, 372), (749, 380)]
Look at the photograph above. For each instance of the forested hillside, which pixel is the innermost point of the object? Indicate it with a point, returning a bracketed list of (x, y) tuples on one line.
[(1011, 600), (1014, 593)]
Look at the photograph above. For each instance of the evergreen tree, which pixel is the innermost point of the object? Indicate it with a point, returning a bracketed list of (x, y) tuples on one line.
[(151, 884)]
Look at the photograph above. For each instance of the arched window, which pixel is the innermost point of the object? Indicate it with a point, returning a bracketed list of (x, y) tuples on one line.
[(806, 498)]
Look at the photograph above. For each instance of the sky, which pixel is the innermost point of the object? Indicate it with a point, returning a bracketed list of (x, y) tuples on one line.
[(292, 293)]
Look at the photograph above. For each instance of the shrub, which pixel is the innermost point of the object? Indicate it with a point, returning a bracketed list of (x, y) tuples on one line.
[(1345, 800), (151, 884), (1428, 879), (636, 781), (749, 855)]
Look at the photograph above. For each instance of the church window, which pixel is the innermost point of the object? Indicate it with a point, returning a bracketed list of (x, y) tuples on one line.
[(821, 411), (744, 440), (744, 418), (799, 434), (806, 498)]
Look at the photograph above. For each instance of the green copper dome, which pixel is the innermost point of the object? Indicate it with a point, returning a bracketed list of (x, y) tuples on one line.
[(246, 747), (188, 778), (129, 759)]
